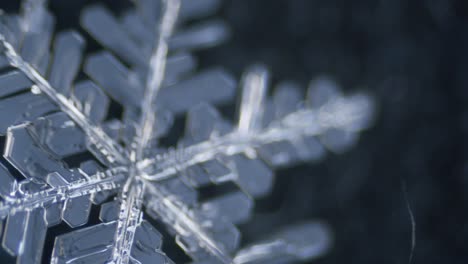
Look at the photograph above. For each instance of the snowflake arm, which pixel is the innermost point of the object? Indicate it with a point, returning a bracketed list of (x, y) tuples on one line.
[(62, 191), (335, 114)]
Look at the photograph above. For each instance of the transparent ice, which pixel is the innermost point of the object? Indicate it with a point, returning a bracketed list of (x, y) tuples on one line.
[(54, 104)]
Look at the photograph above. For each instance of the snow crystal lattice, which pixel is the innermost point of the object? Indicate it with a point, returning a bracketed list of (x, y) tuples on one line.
[(48, 114)]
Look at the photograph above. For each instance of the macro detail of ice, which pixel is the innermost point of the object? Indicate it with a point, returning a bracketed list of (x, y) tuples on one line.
[(55, 102)]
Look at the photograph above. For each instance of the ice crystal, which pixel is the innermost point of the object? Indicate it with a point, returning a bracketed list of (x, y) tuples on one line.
[(54, 106)]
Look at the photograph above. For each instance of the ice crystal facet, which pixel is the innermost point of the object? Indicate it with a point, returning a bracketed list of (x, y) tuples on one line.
[(54, 104)]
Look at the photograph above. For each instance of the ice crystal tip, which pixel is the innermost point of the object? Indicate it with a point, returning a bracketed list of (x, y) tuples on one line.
[(300, 242), (254, 87), (65, 151)]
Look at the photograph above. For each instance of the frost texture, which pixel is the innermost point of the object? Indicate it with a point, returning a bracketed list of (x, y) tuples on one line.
[(54, 104)]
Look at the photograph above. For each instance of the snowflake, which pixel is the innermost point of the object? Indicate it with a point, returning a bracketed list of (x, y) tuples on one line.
[(56, 110)]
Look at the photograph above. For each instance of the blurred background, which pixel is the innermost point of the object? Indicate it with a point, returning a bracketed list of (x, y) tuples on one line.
[(412, 56)]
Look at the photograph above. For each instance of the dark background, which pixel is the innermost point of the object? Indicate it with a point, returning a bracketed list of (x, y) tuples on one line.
[(412, 56)]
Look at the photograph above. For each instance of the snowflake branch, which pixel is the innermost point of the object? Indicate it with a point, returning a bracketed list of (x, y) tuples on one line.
[(175, 215), (133, 192), (341, 113), (107, 147), (156, 73), (129, 218), (101, 181)]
